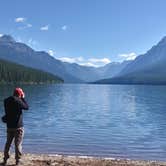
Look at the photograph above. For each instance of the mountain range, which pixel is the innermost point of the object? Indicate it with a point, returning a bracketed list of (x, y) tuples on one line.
[(149, 68), (22, 54), (71, 73)]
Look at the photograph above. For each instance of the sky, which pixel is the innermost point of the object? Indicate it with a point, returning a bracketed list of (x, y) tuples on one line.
[(88, 32)]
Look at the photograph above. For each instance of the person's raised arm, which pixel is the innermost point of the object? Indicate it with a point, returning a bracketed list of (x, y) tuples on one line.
[(23, 104)]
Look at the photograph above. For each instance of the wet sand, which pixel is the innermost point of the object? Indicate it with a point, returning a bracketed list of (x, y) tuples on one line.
[(60, 160)]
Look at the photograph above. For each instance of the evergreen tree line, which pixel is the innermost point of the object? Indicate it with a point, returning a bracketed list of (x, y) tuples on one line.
[(12, 73)]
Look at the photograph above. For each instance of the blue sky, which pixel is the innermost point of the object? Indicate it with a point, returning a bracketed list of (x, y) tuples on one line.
[(89, 32)]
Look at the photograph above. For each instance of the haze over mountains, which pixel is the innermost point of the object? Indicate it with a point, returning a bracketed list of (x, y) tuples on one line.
[(71, 73), (149, 68)]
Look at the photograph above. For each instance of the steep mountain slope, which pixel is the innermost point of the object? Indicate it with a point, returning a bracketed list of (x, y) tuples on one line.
[(22, 54), (145, 69), (71, 73), (89, 74), (156, 56), (112, 69), (12, 73)]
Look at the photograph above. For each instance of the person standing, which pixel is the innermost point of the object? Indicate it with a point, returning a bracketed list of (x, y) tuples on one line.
[(14, 119)]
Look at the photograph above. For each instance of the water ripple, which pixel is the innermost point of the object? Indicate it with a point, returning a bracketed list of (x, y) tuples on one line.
[(100, 120)]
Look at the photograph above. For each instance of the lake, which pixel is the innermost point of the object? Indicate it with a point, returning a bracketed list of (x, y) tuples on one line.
[(123, 121)]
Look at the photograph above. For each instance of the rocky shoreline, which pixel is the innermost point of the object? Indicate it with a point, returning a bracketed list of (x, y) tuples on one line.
[(60, 160)]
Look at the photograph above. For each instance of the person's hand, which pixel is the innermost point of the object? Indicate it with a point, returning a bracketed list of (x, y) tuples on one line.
[(23, 95)]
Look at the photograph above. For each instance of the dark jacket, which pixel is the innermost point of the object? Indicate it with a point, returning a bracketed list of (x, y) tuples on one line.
[(13, 109)]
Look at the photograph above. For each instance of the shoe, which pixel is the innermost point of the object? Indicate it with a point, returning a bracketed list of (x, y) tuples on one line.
[(19, 162)]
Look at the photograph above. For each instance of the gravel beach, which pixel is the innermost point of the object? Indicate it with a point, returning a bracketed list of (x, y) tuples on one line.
[(60, 160)]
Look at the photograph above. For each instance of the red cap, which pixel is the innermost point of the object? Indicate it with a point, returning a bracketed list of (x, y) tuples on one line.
[(18, 92)]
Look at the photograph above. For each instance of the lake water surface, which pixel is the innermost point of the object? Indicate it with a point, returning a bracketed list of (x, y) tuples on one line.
[(123, 121)]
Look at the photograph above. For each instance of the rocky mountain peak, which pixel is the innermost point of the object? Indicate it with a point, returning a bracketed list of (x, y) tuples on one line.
[(7, 38)]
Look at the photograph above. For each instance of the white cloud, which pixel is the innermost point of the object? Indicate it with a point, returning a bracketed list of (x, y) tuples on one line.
[(71, 60), (44, 28), (29, 25), (51, 52), (130, 56), (103, 60), (66, 59), (88, 64), (20, 19), (64, 28), (95, 62), (23, 23), (25, 26), (1, 34)]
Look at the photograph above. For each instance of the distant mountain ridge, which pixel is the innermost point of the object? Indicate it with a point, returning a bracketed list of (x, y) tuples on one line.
[(71, 73), (148, 68), (22, 54), (89, 74)]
